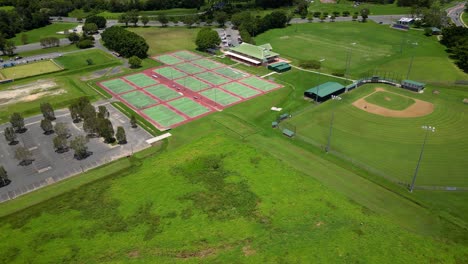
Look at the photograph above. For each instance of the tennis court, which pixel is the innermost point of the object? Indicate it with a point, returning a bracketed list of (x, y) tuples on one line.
[(207, 64), (231, 73), (212, 78), (259, 83), (168, 59), (162, 92), (220, 97), (189, 68), (117, 86), (169, 72), (189, 107), (240, 90), (141, 80), (138, 99), (192, 83), (187, 55), (162, 115)]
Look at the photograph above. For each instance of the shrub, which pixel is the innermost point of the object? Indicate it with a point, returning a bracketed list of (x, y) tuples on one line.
[(310, 64), (84, 44)]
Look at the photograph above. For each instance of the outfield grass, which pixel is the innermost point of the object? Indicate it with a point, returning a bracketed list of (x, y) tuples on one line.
[(370, 47), (78, 60), (390, 100), (162, 40), (465, 18), (31, 69), (240, 205), (48, 31)]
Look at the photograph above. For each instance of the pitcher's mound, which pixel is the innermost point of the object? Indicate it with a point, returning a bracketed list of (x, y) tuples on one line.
[(419, 108)]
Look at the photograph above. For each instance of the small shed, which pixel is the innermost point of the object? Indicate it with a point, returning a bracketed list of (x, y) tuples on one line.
[(413, 85), (284, 116), (279, 67), (274, 124), (436, 31), (288, 133), (324, 91)]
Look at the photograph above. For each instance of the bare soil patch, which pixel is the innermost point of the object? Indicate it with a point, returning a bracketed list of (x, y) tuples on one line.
[(248, 251), (387, 98), (29, 92), (328, 1), (419, 108)]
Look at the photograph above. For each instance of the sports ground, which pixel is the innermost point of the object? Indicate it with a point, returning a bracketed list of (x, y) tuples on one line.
[(187, 87), (27, 70)]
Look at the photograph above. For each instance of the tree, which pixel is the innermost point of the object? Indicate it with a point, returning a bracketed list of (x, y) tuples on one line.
[(47, 126), (102, 112), (78, 144), (90, 126), (355, 16), (364, 14), (9, 48), (145, 19), (238, 19), (89, 61), (120, 135), (10, 135), (123, 18), (48, 42), (332, 18), (47, 111), (17, 122), (189, 20), (106, 130), (24, 155), (4, 181), (310, 18), (62, 130), (322, 18), (90, 28), (24, 38), (221, 18), (428, 31), (133, 121), (60, 144), (207, 38), (133, 17), (98, 20), (85, 44), (74, 113), (73, 37), (89, 111), (125, 42), (163, 20), (134, 61)]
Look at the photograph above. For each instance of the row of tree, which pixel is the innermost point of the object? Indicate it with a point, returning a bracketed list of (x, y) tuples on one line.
[(21, 19), (125, 42), (456, 41)]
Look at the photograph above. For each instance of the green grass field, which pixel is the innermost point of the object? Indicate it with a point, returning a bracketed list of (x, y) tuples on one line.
[(390, 100), (162, 40), (465, 18), (369, 45), (259, 83), (220, 97), (48, 31), (344, 5), (163, 115), (189, 107), (168, 12), (138, 99), (31, 69), (78, 60)]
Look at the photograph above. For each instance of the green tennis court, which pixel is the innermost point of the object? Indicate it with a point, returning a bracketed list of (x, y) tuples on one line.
[(189, 68), (192, 83), (212, 78), (259, 83), (207, 64), (189, 107), (162, 92), (168, 59), (141, 80), (220, 97), (138, 99), (117, 86), (240, 90), (169, 72), (163, 115), (231, 73), (187, 55)]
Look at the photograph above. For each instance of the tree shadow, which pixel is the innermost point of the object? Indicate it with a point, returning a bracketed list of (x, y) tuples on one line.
[(5, 182), (62, 150), (21, 130), (13, 143), (109, 141), (83, 155), (123, 142), (26, 162), (50, 132)]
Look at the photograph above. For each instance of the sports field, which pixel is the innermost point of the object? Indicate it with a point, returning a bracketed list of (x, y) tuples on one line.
[(168, 59), (192, 83), (207, 64), (231, 73), (169, 72), (189, 107), (163, 115), (186, 55), (162, 92), (117, 86), (189, 68), (390, 100), (213, 78), (220, 96), (138, 99), (141, 80), (260, 84), (240, 90), (30, 69)]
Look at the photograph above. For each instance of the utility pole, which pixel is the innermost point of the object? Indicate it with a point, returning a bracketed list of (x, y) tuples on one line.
[(428, 129)]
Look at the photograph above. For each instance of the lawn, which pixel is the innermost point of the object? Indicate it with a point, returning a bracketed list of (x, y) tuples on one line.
[(78, 60), (179, 12), (219, 200), (162, 40), (48, 31), (30, 69), (465, 18), (390, 100), (344, 5), (370, 47)]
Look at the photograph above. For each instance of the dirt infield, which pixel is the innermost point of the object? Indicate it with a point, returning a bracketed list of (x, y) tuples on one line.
[(419, 108)]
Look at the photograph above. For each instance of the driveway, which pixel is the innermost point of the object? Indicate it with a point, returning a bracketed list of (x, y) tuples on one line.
[(454, 14)]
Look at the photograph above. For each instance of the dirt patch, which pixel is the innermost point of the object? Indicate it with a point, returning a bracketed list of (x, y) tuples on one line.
[(419, 108), (388, 98), (248, 251), (328, 1), (198, 254), (319, 223), (134, 254), (284, 37), (29, 92)]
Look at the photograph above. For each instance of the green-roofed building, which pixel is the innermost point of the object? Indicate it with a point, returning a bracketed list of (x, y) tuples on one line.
[(256, 55), (324, 91), (279, 67), (412, 85)]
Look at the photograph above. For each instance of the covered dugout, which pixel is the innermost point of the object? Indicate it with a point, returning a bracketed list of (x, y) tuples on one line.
[(412, 85), (279, 67), (324, 91)]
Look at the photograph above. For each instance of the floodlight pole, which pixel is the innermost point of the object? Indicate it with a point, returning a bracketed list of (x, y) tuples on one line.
[(409, 68), (427, 128)]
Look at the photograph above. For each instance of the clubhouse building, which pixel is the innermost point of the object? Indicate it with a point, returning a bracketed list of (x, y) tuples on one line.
[(251, 54)]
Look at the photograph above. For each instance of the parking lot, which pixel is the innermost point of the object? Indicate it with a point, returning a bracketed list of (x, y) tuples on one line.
[(48, 166), (229, 37)]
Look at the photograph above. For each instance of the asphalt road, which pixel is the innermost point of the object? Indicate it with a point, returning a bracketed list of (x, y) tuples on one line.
[(48, 166), (455, 12)]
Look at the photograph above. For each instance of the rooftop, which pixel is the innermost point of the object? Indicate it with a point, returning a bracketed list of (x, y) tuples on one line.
[(325, 89), (259, 52)]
